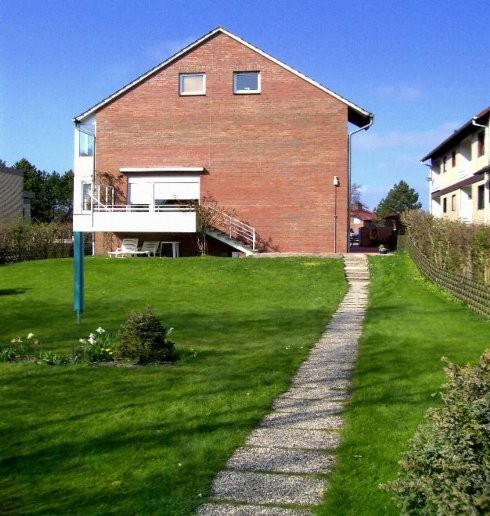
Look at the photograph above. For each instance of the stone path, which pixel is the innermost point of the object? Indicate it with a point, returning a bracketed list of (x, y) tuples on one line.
[(280, 469)]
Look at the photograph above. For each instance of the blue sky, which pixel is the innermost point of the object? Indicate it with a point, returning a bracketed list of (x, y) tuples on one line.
[(421, 66)]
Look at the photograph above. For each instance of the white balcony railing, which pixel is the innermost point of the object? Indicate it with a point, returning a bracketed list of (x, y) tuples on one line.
[(146, 218)]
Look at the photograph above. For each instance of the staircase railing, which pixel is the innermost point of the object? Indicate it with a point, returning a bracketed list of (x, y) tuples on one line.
[(233, 228)]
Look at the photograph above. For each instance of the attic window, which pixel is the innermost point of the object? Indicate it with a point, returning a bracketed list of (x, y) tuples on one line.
[(192, 84), (246, 82)]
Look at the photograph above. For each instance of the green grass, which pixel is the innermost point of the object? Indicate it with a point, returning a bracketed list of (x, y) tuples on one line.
[(98, 440), (410, 325)]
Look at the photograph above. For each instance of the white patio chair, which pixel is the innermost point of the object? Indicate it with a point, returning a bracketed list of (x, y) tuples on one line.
[(129, 246), (150, 247)]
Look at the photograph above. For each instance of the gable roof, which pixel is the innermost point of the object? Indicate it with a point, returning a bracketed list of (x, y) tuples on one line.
[(356, 114), (459, 135)]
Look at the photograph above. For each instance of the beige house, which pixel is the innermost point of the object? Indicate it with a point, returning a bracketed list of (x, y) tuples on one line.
[(460, 173)]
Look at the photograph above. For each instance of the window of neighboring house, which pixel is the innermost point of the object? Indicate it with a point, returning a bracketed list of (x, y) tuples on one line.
[(453, 202), (86, 193), (444, 164), (192, 84), (86, 144), (481, 197), (453, 158), (481, 143), (246, 82), (444, 205)]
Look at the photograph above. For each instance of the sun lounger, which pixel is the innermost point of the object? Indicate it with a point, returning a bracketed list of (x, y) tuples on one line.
[(129, 247)]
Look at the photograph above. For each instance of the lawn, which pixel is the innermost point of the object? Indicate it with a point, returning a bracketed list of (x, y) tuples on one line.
[(409, 326), (100, 440)]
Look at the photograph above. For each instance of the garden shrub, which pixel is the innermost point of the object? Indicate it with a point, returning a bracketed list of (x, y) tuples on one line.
[(447, 467), (144, 339)]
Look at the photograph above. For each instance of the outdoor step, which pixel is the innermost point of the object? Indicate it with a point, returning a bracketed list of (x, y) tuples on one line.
[(309, 421), (266, 488), (293, 438), (281, 460), (218, 509)]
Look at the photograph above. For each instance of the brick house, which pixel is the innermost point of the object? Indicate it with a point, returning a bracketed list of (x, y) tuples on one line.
[(460, 173), (220, 119)]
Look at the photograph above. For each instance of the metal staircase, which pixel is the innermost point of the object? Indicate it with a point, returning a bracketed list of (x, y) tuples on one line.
[(233, 232)]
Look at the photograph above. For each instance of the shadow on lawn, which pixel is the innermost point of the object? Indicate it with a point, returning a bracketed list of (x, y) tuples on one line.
[(12, 291)]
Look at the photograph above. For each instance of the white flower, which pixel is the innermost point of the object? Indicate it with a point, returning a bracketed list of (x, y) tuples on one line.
[(92, 336), (91, 340), (82, 341), (30, 335), (100, 330)]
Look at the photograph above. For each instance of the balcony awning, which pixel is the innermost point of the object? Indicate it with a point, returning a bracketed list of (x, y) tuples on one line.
[(165, 169)]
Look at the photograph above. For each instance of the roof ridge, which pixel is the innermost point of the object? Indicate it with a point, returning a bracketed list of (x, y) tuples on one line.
[(357, 112)]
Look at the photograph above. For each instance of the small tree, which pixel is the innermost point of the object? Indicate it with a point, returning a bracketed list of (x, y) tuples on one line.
[(209, 216), (355, 194), (399, 199), (144, 339)]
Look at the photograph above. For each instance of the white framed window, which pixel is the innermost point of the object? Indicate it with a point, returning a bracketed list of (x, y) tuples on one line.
[(85, 144), (192, 84), (86, 196), (246, 82)]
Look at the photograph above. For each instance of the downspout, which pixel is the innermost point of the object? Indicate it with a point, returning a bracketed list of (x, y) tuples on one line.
[(349, 172), (487, 175)]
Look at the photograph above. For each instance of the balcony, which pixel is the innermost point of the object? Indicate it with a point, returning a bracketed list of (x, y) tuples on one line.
[(146, 218)]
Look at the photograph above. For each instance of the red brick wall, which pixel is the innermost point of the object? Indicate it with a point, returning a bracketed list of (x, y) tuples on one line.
[(270, 157)]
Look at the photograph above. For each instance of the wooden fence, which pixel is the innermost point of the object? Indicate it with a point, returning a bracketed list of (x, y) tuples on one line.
[(476, 295)]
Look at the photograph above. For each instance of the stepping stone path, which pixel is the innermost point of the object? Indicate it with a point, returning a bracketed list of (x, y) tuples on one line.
[(280, 469)]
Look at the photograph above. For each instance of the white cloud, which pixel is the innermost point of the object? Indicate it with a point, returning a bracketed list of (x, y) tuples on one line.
[(373, 141), (402, 93), (162, 50)]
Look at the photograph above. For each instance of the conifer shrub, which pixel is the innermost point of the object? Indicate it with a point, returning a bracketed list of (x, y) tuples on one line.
[(447, 467), (144, 339)]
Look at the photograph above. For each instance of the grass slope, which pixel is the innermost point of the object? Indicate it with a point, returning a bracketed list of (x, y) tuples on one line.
[(98, 440), (409, 326)]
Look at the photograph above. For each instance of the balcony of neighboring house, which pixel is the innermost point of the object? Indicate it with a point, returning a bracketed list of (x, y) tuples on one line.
[(435, 181), (465, 165), (148, 214)]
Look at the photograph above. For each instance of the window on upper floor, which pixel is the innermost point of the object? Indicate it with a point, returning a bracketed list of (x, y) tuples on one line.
[(453, 202), (481, 144), (453, 158), (481, 197), (246, 82), (85, 144), (444, 164), (192, 84)]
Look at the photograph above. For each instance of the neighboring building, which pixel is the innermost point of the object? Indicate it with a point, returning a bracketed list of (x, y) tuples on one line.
[(15, 203), (460, 173), (220, 119), (360, 217)]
